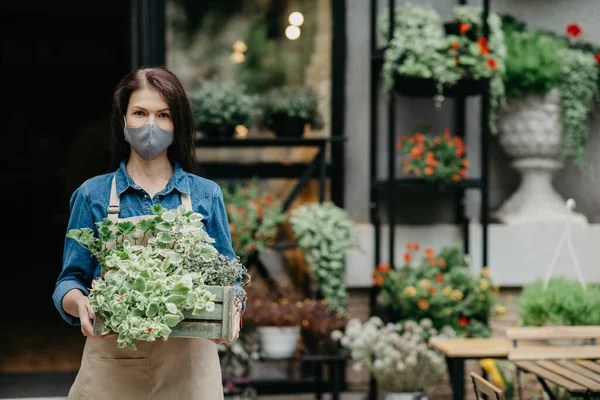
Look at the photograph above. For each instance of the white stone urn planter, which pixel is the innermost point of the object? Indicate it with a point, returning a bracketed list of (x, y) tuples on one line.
[(530, 133), (278, 342)]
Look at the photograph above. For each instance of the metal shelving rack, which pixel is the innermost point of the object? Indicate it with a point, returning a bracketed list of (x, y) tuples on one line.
[(385, 190)]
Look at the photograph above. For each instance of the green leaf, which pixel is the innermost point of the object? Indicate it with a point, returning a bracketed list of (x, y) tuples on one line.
[(172, 319), (140, 285), (172, 308), (176, 299), (152, 309)]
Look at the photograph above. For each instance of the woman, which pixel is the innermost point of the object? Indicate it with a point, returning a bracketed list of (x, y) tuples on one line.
[(153, 152)]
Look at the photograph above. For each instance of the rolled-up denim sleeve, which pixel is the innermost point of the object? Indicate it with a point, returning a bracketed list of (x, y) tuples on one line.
[(218, 229), (78, 263)]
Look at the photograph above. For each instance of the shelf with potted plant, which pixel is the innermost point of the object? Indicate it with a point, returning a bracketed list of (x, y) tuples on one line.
[(426, 57)]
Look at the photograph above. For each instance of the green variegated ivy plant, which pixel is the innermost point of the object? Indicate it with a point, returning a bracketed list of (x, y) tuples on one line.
[(325, 232), (147, 288)]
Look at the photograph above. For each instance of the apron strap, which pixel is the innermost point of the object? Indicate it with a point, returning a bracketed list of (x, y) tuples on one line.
[(113, 205), (186, 200)]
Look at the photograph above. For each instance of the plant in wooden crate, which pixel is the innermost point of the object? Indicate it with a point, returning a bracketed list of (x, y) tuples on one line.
[(563, 302), (254, 218), (287, 110), (440, 287), (277, 317), (427, 56), (436, 158), (325, 232), (397, 355), (318, 322), (219, 107), (158, 272)]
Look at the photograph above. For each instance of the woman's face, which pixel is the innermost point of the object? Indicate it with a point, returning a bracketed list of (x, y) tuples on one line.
[(148, 106)]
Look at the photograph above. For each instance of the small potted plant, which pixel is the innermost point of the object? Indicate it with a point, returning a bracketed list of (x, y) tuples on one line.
[(318, 321), (219, 107), (277, 318), (436, 158), (287, 110), (254, 218), (440, 286), (397, 355)]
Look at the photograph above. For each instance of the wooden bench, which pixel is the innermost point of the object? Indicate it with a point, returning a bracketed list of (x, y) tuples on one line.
[(570, 366), (457, 350), (484, 389)]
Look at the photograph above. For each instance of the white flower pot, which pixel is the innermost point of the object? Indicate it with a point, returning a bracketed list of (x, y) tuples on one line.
[(405, 396), (278, 342), (530, 133)]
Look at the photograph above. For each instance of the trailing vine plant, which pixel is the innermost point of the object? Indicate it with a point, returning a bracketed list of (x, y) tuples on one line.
[(325, 232)]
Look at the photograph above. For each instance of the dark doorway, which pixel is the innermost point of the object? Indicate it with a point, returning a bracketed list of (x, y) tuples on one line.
[(60, 62)]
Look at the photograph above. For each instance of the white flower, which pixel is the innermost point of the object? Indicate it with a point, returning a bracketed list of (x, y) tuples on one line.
[(336, 335)]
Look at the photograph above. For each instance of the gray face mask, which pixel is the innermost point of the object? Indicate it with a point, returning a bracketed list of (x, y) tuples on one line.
[(149, 141)]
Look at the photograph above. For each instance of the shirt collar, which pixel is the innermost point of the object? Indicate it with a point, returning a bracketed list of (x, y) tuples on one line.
[(178, 180)]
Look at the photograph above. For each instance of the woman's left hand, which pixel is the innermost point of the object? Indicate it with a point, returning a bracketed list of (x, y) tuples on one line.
[(237, 324)]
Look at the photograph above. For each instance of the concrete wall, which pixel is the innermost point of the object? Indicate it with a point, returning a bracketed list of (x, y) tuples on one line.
[(423, 210)]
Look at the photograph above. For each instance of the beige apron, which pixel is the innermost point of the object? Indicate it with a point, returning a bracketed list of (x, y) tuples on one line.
[(175, 369)]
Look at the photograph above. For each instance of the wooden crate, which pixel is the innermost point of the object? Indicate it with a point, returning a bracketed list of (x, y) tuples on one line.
[(217, 324)]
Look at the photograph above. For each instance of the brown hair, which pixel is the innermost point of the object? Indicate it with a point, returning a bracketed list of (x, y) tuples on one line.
[(167, 83)]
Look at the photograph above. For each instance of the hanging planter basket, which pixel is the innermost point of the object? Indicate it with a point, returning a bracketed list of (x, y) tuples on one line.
[(412, 86)]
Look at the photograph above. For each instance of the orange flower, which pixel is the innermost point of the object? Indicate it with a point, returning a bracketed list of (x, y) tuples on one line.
[(378, 280), (412, 246), (407, 257), (466, 163), (484, 49), (456, 177), (429, 252), (428, 171), (464, 28), (407, 168), (432, 291), (416, 151), (383, 268), (442, 263), (439, 278), (423, 304), (437, 140), (419, 137), (447, 134), (463, 172), (491, 63), (431, 261), (455, 46), (230, 208)]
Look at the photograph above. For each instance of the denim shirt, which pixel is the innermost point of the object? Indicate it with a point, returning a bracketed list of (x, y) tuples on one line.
[(89, 204)]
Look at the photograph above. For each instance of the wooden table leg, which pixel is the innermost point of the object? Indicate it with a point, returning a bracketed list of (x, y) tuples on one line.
[(456, 372)]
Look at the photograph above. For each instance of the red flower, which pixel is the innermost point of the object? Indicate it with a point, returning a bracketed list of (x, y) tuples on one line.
[(464, 28), (482, 41), (491, 63), (597, 57), (407, 257), (455, 46), (573, 30), (149, 330), (463, 321)]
